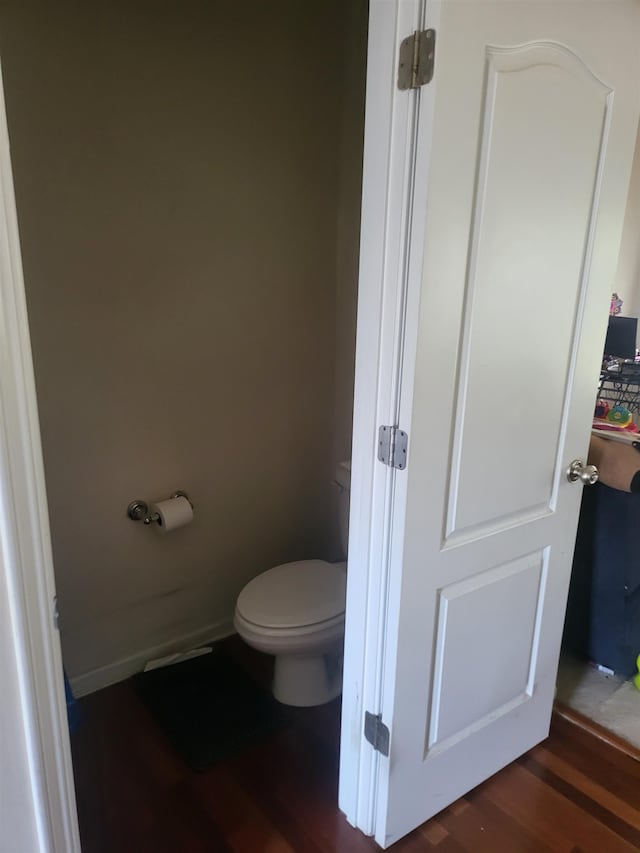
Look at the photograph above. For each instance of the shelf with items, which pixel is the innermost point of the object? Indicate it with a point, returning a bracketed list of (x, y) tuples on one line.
[(620, 386)]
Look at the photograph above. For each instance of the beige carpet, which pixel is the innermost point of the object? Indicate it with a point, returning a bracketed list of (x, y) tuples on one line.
[(608, 699)]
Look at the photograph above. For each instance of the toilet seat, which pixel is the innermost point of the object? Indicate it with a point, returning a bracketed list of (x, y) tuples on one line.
[(305, 639), (295, 597)]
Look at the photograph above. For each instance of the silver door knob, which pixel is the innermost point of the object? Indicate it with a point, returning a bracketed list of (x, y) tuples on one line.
[(587, 474)]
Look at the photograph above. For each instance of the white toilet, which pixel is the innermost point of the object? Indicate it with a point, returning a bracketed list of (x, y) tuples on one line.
[(296, 612)]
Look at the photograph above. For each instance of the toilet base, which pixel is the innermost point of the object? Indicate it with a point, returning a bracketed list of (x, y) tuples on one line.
[(305, 680)]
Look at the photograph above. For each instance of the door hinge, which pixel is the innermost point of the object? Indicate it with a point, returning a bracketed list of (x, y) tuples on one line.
[(376, 732), (392, 446), (417, 59), (56, 614)]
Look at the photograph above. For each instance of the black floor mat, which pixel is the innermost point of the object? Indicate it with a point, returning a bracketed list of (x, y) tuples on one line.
[(208, 707)]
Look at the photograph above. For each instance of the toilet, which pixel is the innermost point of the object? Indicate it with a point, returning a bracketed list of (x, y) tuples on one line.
[(296, 613)]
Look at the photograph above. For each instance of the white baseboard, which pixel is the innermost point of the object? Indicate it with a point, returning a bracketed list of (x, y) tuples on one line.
[(96, 679)]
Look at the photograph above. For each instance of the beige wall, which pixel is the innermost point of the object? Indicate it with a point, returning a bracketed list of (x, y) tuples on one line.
[(177, 181), (627, 282), (355, 16)]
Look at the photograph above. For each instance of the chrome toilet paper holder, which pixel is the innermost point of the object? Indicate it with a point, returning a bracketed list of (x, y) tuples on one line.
[(139, 510)]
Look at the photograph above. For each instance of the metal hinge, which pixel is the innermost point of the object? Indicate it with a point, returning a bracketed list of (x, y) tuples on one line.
[(417, 59), (376, 732), (56, 614), (392, 446)]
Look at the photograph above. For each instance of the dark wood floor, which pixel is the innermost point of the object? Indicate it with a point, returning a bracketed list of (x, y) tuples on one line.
[(573, 793)]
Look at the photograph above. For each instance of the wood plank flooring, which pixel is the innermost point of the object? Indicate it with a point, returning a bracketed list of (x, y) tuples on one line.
[(572, 794)]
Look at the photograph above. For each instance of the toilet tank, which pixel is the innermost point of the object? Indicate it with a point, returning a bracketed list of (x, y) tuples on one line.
[(343, 481)]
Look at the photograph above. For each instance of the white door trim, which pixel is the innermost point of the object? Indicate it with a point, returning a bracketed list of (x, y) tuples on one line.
[(412, 286), (25, 555), (388, 291)]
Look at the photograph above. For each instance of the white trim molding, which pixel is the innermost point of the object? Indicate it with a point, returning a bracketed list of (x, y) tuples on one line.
[(388, 176), (25, 556)]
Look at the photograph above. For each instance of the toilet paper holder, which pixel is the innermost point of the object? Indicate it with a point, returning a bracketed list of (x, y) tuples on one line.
[(139, 510)]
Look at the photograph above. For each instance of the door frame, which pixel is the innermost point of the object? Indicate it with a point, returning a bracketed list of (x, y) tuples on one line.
[(25, 557), (388, 294), (391, 248)]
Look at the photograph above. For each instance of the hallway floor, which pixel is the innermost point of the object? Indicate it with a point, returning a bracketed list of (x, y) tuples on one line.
[(609, 700), (572, 793)]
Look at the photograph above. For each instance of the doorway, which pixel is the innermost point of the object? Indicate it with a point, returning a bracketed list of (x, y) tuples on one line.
[(598, 659), (151, 315), (189, 224)]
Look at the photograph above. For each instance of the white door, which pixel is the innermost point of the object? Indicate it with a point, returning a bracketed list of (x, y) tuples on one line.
[(528, 142)]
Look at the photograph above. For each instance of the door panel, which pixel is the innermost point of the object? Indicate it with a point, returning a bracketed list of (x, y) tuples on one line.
[(526, 140), (544, 132), (497, 671)]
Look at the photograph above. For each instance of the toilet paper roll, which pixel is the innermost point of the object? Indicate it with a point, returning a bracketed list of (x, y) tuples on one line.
[(173, 513)]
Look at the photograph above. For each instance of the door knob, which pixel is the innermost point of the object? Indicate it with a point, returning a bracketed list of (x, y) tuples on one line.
[(587, 474)]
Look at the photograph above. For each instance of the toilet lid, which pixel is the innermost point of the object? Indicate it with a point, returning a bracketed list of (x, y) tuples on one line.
[(295, 594)]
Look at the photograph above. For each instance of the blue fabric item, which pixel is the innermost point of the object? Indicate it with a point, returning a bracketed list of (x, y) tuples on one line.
[(603, 614), (73, 709)]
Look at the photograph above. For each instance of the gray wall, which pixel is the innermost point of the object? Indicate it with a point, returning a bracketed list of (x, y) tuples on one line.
[(179, 200)]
